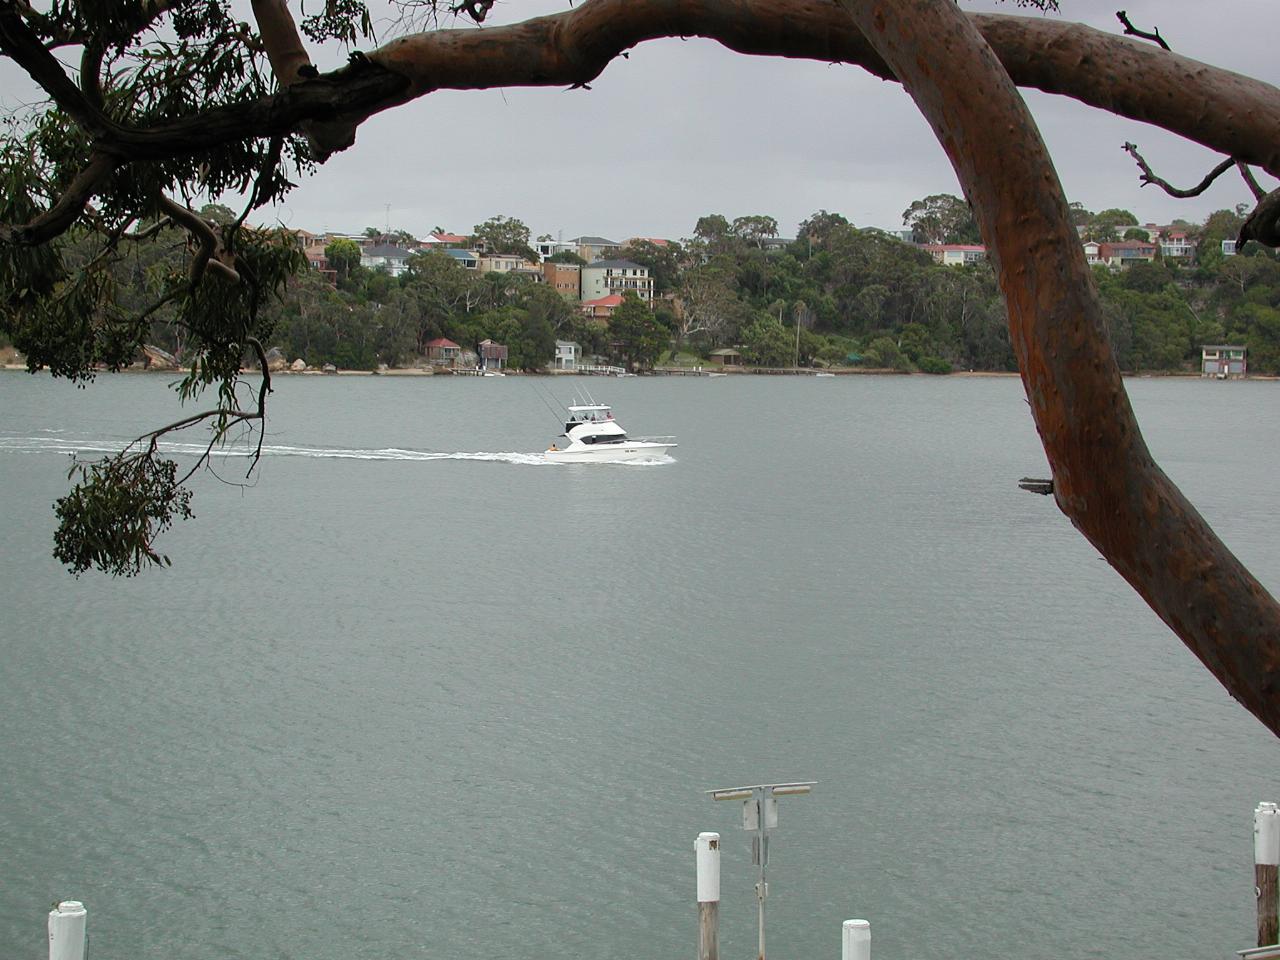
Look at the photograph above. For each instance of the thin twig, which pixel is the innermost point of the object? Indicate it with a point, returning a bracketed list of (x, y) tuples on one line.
[(1148, 176), (1132, 31), (1259, 193)]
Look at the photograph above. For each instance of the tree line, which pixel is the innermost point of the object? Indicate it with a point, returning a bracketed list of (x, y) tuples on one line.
[(836, 295)]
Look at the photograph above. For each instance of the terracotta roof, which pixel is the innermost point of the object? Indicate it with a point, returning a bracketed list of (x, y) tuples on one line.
[(612, 300), (442, 342)]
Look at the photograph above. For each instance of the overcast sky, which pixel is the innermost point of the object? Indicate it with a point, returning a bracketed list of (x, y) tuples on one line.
[(686, 128)]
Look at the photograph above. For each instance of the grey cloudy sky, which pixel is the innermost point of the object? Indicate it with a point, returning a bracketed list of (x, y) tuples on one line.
[(686, 128)]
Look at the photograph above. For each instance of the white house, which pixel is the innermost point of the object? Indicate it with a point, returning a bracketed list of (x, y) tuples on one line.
[(609, 277), (383, 256), (567, 353), (955, 254)]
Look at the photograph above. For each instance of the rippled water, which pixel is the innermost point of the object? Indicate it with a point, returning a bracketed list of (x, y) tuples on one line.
[(406, 696)]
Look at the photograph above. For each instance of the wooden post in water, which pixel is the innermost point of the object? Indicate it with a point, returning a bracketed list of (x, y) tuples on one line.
[(707, 853), (67, 923), (855, 940), (1266, 862)]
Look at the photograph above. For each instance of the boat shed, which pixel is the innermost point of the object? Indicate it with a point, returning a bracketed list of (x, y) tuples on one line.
[(726, 357), (1223, 361), (493, 356)]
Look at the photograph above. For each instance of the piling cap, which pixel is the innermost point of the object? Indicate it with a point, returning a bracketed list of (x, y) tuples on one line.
[(69, 908)]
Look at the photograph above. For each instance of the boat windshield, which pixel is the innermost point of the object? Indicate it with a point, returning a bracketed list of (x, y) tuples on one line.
[(590, 414)]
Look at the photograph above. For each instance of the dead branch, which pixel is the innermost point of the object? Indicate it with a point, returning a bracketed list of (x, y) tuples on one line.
[(1149, 177), (1133, 31), (1254, 186)]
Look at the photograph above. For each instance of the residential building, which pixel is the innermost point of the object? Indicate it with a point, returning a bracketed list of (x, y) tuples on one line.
[(493, 356), (567, 354), (564, 278), (601, 308), (1175, 243), (1228, 248), (441, 239), (384, 256), (502, 263), (1224, 361), (1092, 252), (606, 277), (595, 248), (955, 254), (1125, 253), (443, 352), (549, 248), (465, 258)]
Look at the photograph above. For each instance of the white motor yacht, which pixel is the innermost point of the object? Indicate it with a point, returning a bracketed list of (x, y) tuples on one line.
[(591, 435)]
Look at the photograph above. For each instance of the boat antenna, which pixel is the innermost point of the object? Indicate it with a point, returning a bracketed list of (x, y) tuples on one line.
[(555, 414)]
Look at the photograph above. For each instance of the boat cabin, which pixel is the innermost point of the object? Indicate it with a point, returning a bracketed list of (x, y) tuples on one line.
[(588, 413)]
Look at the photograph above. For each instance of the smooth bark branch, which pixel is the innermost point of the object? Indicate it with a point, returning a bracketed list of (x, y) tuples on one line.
[(1104, 478), (1225, 111), (280, 37), (58, 218)]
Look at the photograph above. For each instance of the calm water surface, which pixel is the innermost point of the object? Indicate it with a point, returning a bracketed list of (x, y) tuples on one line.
[(395, 702)]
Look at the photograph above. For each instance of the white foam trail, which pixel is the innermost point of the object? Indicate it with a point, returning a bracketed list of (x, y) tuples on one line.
[(51, 444)]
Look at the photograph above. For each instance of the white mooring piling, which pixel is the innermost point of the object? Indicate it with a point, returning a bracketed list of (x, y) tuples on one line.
[(707, 854), (855, 941), (67, 923), (1266, 864)]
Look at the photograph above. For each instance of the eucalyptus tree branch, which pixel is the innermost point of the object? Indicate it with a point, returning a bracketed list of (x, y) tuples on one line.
[(209, 251), (283, 44), (59, 217), (1263, 225), (1131, 30), (20, 44), (90, 73), (1224, 111), (269, 166), (1104, 477), (1148, 176), (1254, 186)]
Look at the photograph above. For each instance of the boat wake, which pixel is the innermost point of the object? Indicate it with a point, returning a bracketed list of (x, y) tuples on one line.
[(84, 448)]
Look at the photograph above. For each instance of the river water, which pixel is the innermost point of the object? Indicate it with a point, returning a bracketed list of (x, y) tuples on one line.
[(414, 692)]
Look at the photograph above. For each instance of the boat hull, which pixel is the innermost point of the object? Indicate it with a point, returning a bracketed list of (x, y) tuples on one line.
[(611, 453)]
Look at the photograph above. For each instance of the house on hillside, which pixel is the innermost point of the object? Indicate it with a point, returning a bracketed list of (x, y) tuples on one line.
[(955, 254), (440, 240), (567, 354), (1223, 361), (503, 263), (601, 308), (386, 257), (443, 352), (564, 278), (465, 258), (607, 277), (595, 248), (1125, 253), (549, 248)]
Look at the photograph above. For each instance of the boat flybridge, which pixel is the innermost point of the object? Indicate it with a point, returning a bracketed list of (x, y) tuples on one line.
[(593, 436)]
